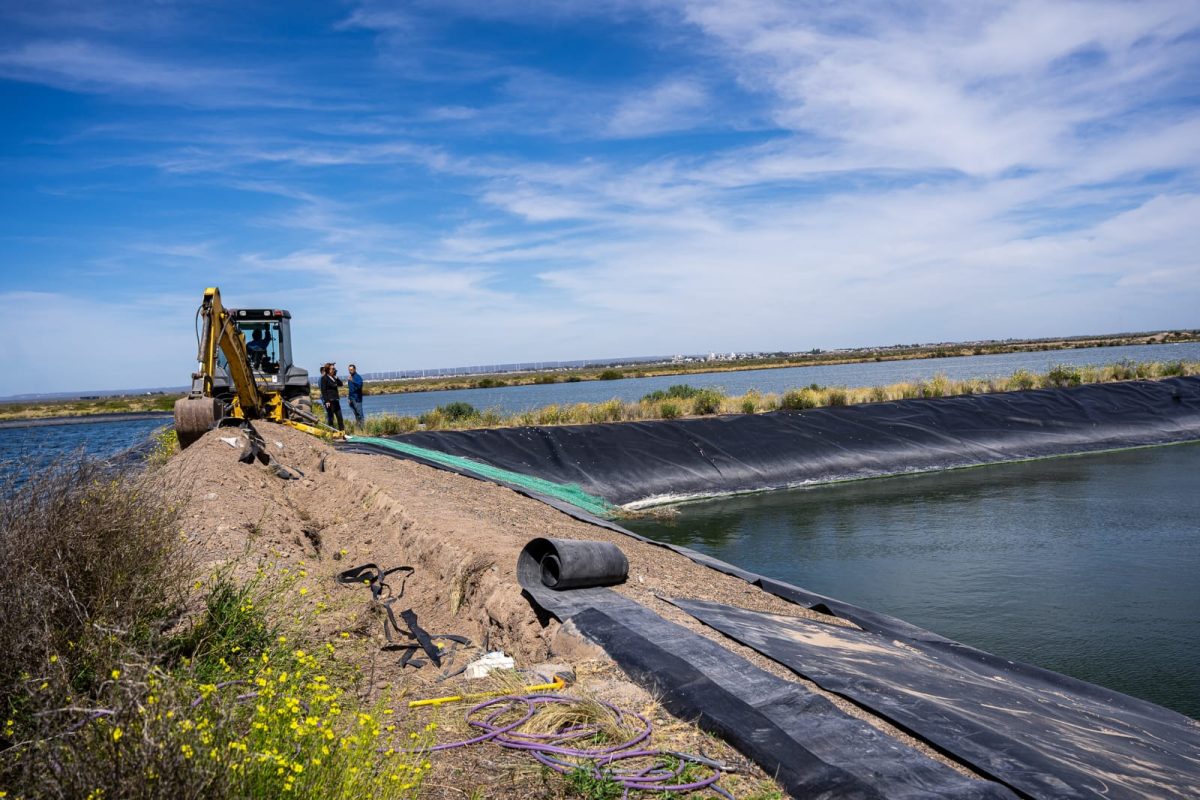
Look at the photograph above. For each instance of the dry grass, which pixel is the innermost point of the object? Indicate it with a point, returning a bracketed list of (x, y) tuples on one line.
[(513, 773), (89, 562)]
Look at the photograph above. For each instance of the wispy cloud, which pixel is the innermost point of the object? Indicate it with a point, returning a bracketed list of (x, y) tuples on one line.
[(551, 180)]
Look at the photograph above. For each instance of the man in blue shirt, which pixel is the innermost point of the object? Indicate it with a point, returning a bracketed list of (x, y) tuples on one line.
[(355, 394)]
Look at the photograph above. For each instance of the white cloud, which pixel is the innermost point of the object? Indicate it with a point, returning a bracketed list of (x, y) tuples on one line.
[(672, 105)]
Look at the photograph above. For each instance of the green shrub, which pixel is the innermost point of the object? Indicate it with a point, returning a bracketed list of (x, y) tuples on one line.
[(680, 391), (707, 401), (1023, 379), (608, 411), (937, 386), (1173, 369), (551, 415), (1121, 371), (798, 399), (458, 411), (1061, 376), (388, 425), (546, 379), (838, 397), (750, 402), (611, 375), (670, 410), (232, 631), (166, 444)]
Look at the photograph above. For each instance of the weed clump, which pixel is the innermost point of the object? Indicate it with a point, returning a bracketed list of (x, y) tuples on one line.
[(458, 410), (798, 400), (1061, 376), (680, 391), (388, 425), (707, 401)]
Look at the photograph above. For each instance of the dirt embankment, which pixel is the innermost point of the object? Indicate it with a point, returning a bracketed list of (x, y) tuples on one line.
[(462, 537)]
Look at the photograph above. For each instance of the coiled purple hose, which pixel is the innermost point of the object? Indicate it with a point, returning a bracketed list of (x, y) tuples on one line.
[(550, 749)]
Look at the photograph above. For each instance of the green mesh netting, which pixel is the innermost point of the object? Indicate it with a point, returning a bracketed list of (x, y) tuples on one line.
[(563, 491)]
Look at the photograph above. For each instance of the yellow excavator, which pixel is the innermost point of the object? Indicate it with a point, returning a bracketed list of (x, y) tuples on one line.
[(246, 372)]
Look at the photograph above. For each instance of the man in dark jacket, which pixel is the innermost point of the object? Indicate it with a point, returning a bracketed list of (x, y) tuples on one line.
[(329, 395), (354, 394)]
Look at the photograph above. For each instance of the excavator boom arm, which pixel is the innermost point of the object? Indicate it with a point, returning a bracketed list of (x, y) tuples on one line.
[(219, 331)]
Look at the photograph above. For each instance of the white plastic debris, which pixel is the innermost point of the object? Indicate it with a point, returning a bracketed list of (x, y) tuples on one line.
[(232, 441), (480, 667)]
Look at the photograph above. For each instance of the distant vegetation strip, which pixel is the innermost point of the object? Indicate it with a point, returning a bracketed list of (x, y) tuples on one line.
[(683, 400), (127, 404), (812, 358)]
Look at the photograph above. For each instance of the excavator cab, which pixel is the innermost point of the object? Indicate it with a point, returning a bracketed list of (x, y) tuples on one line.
[(267, 333), (246, 371)]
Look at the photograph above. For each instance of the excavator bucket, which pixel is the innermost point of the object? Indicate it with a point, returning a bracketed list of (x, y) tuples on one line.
[(194, 416)]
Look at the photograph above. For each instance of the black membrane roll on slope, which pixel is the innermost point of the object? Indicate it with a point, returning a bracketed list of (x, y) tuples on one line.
[(635, 461), (803, 740), (1041, 733)]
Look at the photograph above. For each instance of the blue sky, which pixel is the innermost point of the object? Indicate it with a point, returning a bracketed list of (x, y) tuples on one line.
[(449, 183)]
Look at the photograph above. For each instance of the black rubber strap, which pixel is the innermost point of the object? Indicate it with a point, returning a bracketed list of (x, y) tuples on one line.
[(422, 637)]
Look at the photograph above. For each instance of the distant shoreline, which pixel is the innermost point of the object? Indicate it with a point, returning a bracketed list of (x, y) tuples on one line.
[(83, 419), (62, 412)]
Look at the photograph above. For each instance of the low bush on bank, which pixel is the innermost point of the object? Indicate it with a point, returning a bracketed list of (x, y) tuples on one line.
[(680, 391), (387, 425), (107, 690), (707, 401), (798, 399)]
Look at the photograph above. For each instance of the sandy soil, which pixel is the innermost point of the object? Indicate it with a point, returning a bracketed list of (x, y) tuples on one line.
[(462, 536)]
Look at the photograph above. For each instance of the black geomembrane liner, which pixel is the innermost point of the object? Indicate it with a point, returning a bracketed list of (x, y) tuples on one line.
[(1041, 733), (634, 461)]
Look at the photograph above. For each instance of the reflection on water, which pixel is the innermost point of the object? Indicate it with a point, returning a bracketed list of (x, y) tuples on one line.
[(1086, 565)]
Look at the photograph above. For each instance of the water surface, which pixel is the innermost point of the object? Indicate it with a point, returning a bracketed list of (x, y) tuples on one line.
[(1086, 565), (43, 443)]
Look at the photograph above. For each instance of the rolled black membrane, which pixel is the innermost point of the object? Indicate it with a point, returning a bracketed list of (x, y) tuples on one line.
[(805, 742), (571, 563), (636, 461), (1041, 733)]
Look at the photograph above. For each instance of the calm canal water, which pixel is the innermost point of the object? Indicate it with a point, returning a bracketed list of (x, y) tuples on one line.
[(510, 399), (40, 445), (1087, 565)]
